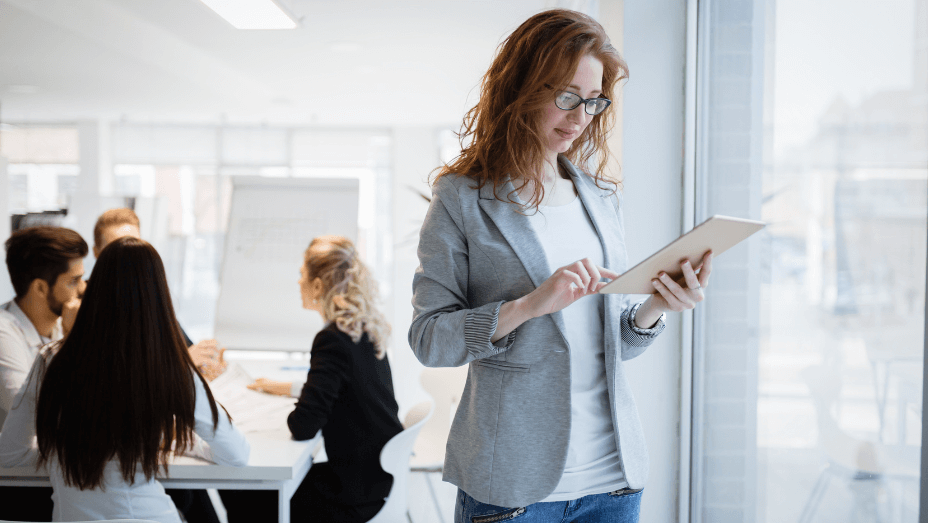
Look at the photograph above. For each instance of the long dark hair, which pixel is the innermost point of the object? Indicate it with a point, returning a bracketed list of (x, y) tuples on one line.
[(121, 385), (535, 61)]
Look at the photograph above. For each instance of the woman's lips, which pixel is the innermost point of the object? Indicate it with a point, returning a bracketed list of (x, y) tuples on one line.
[(566, 134)]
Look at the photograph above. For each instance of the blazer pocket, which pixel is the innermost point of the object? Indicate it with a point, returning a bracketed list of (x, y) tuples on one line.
[(504, 365)]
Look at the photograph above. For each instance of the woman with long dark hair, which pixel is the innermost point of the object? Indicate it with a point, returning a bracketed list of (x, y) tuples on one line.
[(522, 230), (111, 402)]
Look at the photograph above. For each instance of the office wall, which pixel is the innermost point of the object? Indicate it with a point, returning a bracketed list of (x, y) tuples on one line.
[(652, 165), (415, 154), (6, 288)]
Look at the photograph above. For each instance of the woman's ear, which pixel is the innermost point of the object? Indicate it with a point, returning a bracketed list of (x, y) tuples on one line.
[(317, 288)]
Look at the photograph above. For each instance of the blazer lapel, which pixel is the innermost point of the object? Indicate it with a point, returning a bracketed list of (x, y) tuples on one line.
[(520, 235), (517, 230)]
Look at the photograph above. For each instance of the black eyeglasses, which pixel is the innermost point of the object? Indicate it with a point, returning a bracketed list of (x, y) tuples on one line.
[(569, 101)]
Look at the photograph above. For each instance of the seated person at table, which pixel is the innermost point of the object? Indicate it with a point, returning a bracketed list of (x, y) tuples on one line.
[(46, 268), (103, 408), (348, 391), (119, 222)]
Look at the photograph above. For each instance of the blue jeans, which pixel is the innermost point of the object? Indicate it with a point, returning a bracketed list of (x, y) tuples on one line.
[(621, 506)]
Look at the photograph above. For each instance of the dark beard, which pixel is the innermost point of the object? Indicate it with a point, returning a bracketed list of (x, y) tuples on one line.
[(54, 305)]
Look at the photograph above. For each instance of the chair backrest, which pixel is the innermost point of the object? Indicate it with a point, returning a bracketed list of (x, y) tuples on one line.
[(445, 385), (825, 387), (107, 521), (843, 449), (394, 459)]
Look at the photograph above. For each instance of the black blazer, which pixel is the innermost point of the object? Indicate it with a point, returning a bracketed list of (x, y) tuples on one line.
[(349, 395)]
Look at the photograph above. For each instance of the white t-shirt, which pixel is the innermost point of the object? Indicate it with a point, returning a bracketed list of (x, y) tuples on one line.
[(593, 465)]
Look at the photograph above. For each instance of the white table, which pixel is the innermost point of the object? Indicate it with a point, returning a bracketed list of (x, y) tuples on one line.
[(277, 462)]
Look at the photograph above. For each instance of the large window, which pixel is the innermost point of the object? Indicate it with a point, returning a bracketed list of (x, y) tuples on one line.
[(808, 395), (178, 180), (43, 167)]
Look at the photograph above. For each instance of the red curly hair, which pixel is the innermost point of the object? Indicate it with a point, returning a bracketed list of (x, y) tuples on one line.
[(536, 60)]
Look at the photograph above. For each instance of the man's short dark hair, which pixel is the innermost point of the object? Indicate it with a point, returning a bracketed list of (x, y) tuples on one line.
[(41, 252)]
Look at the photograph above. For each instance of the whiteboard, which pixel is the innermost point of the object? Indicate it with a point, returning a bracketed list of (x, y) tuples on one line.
[(271, 222)]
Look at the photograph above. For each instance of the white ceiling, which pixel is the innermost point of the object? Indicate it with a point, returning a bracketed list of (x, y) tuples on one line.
[(350, 63)]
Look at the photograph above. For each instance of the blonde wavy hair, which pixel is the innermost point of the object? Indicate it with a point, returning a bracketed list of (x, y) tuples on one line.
[(349, 293)]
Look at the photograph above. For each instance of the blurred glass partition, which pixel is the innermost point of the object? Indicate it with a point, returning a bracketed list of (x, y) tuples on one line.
[(179, 178), (43, 166), (809, 368)]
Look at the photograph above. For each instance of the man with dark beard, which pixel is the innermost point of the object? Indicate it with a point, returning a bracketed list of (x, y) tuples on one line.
[(46, 266)]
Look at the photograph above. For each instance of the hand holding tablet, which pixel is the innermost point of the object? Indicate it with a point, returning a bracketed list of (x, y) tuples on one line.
[(717, 234)]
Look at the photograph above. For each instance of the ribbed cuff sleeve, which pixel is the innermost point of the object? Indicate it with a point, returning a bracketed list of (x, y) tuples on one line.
[(479, 327), (636, 336)]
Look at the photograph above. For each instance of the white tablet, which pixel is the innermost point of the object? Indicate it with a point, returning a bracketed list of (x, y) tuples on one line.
[(718, 233)]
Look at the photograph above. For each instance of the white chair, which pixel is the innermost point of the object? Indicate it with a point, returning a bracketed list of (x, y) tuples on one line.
[(848, 457), (394, 459), (445, 385)]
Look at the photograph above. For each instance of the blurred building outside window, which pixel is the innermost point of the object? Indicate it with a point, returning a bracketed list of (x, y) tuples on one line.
[(809, 387), (43, 168)]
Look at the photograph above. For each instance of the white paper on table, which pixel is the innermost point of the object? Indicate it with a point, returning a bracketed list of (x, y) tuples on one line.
[(251, 411)]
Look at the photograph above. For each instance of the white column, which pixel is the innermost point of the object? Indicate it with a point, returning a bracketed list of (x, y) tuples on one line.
[(96, 158), (612, 17), (95, 180), (6, 288), (415, 154), (652, 165)]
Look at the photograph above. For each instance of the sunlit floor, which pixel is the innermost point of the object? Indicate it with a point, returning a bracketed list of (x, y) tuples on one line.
[(791, 475), (422, 507), (847, 366), (790, 456)]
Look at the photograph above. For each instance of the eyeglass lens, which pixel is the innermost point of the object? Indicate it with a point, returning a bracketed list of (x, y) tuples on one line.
[(568, 101)]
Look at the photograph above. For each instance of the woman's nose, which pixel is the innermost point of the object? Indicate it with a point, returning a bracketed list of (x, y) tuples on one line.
[(578, 115)]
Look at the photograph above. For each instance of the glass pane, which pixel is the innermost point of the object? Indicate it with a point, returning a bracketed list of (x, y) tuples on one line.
[(27, 144), (182, 210), (842, 308), (41, 187), (812, 116)]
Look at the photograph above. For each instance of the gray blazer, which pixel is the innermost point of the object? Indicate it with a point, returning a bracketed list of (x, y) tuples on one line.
[(508, 442)]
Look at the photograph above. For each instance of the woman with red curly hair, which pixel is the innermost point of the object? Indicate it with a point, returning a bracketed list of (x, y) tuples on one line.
[(522, 232)]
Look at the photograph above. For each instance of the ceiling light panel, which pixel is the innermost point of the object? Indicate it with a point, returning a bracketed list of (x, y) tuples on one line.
[(252, 14)]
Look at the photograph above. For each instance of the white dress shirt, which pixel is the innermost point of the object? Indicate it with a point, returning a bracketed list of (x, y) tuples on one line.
[(19, 345), (117, 499)]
